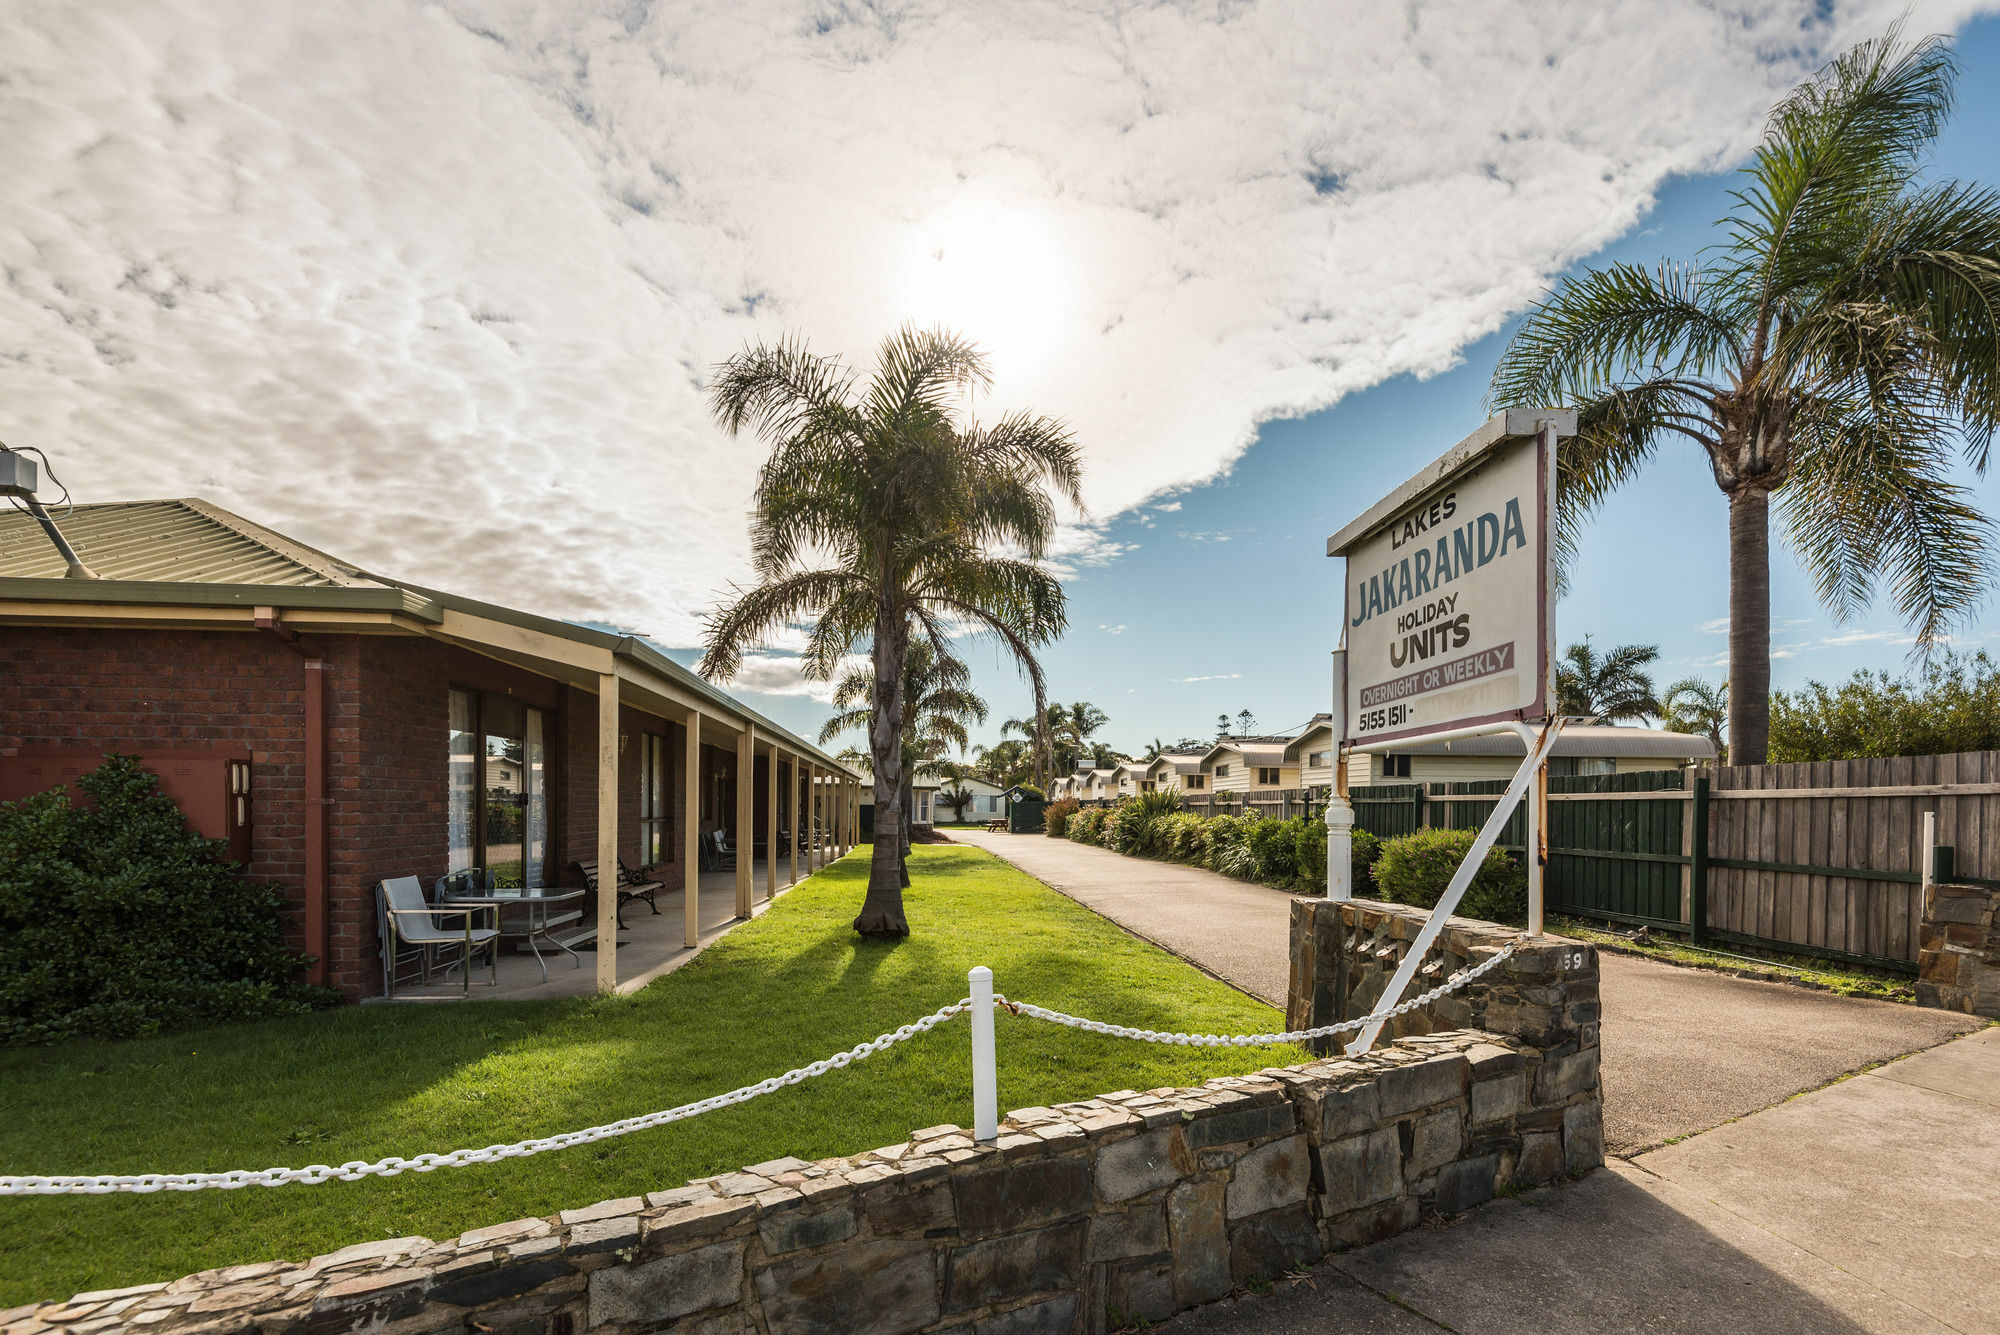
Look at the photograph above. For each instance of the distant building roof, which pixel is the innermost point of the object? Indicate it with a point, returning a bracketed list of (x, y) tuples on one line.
[(1584, 739)]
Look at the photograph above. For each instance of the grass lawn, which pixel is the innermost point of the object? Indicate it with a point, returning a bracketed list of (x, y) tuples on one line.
[(363, 1082), (1825, 975)]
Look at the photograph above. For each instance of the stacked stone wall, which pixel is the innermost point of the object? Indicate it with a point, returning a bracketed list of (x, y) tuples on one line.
[(1078, 1219), (1958, 960)]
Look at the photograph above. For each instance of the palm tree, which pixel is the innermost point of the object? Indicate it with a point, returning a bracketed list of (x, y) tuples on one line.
[(1067, 729), (938, 708), (1611, 686), (1839, 349), (1004, 763), (1693, 705), (1155, 748), (883, 517)]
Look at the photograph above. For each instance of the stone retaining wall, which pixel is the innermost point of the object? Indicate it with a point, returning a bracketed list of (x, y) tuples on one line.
[(1080, 1219), (1958, 957)]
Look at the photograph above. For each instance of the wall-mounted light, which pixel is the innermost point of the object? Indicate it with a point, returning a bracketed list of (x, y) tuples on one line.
[(624, 739)]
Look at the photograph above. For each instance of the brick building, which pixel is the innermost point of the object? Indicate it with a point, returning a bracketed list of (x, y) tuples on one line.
[(340, 727)]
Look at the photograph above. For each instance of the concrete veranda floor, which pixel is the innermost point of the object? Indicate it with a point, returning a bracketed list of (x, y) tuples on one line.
[(651, 946), (1684, 1049), (1864, 1208)]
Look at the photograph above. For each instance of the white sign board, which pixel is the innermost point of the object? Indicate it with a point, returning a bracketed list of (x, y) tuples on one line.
[(1447, 594)]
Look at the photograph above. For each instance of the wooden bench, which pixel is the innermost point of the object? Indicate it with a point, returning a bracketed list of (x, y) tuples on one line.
[(629, 886), (996, 826)]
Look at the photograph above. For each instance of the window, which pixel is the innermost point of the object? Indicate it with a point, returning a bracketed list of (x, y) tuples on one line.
[(1222, 771), (655, 826), (1319, 759), (924, 807), (1395, 767), (1267, 776), (497, 814), (1195, 781)]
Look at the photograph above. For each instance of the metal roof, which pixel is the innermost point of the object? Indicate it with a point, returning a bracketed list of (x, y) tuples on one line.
[(184, 541), (192, 553), (1583, 739)]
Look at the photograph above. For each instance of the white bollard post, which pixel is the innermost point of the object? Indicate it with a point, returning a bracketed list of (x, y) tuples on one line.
[(1339, 848), (985, 1083)]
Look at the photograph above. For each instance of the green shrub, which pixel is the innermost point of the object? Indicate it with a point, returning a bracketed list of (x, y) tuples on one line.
[(1179, 836), (1365, 848), (1309, 849), (1086, 825), (117, 921), (1107, 832), (1416, 868), (1275, 846), (1229, 851), (1055, 816)]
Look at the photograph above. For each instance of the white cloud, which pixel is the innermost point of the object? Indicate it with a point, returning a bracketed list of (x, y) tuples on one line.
[(781, 674), (1719, 626), (437, 287), (1112, 630), (1216, 676), (1169, 508)]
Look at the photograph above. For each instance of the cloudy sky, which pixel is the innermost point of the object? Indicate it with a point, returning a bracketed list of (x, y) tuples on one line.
[(437, 287)]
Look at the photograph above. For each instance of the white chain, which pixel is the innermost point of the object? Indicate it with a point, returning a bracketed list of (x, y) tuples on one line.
[(355, 1170), (424, 1163), (1451, 984)]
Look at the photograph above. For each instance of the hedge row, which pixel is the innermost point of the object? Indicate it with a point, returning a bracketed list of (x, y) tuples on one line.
[(1291, 854)]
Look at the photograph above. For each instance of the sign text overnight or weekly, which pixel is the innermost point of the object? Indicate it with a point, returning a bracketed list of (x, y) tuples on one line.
[(1444, 606)]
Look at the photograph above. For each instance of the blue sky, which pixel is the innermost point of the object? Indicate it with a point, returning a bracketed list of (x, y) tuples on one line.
[(1228, 602)]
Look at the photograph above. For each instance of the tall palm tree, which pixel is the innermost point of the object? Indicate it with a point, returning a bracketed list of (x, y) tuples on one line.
[(1700, 707), (938, 709), (883, 516), (1835, 353), (1004, 763), (1611, 686), (1067, 729)]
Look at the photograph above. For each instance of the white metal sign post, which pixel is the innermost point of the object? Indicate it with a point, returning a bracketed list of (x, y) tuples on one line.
[(1448, 631)]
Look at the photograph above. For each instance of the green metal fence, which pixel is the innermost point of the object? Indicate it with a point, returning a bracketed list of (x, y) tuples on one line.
[(1612, 852)]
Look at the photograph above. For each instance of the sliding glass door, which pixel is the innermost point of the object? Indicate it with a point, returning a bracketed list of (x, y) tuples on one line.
[(499, 795)]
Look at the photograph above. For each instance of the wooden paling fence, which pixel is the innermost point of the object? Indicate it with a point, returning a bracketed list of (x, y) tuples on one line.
[(1823, 858)]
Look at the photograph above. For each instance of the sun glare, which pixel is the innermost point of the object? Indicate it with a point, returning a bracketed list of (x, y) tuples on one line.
[(997, 276)]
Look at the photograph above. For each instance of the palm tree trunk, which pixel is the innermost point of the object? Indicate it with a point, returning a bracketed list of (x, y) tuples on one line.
[(1749, 626), (882, 911)]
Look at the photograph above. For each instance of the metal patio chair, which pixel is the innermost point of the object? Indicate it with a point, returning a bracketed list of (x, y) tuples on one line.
[(410, 926)]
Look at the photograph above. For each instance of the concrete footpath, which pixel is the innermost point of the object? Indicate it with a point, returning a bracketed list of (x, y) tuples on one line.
[(1684, 1049), (1867, 1206)]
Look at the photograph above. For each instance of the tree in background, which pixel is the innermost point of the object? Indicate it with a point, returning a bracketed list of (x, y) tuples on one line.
[(1613, 686), (883, 518), (1696, 706), (938, 709), (1246, 723), (1950, 704), (1004, 763), (1222, 725), (1068, 728), (1838, 350)]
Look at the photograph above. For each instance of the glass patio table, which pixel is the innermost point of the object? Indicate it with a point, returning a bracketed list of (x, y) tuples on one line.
[(544, 911)]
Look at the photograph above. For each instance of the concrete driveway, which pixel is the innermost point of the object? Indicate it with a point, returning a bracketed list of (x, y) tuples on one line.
[(1684, 1049), (1864, 1208)]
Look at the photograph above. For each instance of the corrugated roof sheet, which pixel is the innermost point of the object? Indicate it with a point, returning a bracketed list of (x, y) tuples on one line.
[(184, 541)]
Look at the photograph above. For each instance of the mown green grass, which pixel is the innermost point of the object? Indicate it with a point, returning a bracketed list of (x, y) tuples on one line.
[(366, 1082)]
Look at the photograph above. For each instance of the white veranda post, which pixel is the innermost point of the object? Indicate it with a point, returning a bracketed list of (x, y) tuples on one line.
[(1339, 811)]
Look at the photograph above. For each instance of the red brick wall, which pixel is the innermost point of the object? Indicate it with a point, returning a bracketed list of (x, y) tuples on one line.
[(130, 690), (387, 765)]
